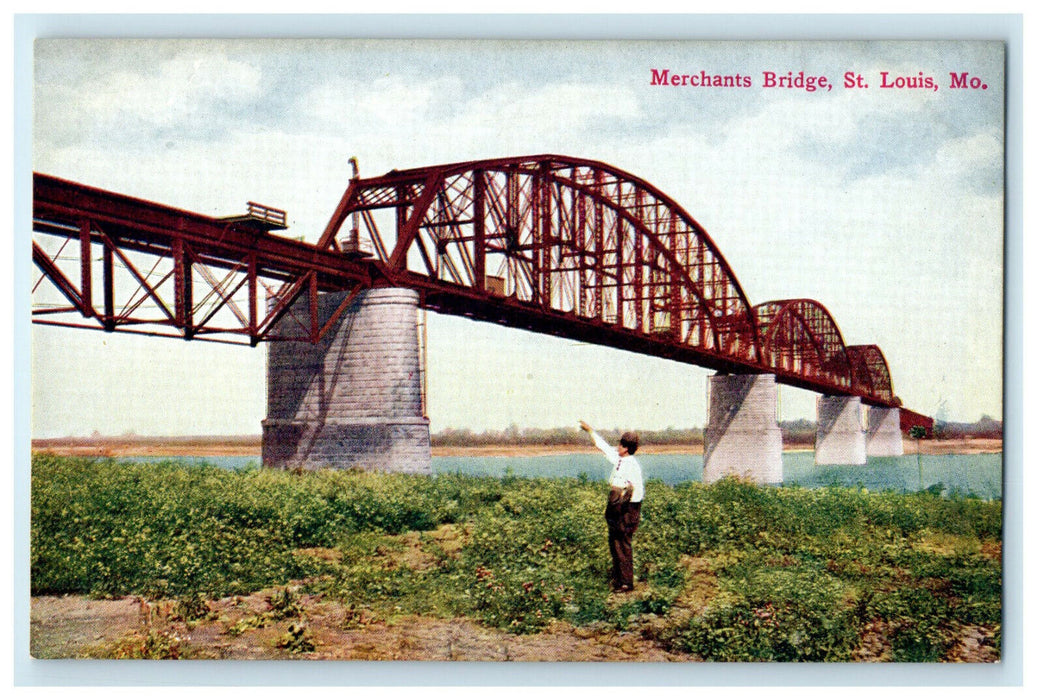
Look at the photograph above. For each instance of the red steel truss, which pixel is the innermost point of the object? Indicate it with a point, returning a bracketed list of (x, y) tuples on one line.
[(550, 237), (553, 244), (870, 371), (118, 263), (801, 341)]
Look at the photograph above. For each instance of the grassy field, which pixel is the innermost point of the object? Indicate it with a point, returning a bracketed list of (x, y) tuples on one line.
[(728, 572)]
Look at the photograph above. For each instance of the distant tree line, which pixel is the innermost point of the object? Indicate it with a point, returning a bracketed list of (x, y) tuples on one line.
[(513, 435), (795, 432), (985, 427), (556, 436)]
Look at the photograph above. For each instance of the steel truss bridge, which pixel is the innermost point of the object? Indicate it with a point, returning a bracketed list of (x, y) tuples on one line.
[(552, 244)]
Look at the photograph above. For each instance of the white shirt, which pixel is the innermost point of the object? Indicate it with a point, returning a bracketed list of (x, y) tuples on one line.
[(626, 469)]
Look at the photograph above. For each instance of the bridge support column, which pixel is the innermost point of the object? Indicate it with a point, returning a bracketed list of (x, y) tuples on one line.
[(352, 400), (884, 437), (840, 438), (743, 437)]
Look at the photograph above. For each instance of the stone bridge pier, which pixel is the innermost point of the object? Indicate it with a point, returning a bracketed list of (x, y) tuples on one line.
[(352, 400), (884, 436), (840, 438), (743, 437)]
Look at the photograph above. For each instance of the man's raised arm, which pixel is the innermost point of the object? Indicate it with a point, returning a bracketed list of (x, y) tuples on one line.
[(607, 449)]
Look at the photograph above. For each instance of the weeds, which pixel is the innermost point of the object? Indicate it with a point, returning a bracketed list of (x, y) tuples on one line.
[(192, 608), (148, 644), (297, 640), (251, 622), (285, 602), (783, 573)]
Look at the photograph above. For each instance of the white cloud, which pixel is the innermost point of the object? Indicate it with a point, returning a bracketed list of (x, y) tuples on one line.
[(976, 159), (566, 106), (411, 122), (185, 92), (182, 85), (387, 103)]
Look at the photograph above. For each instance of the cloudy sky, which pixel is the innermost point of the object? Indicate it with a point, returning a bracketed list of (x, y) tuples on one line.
[(886, 205)]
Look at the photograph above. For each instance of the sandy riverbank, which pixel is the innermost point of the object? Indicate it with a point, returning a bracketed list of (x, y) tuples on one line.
[(250, 446)]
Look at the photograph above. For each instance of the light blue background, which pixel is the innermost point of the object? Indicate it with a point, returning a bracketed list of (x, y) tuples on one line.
[(303, 673)]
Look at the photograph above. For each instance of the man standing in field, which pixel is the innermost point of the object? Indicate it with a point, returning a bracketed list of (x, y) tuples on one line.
[(623, 510)]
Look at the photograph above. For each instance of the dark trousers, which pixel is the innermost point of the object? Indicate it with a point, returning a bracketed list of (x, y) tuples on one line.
[(622, 520)]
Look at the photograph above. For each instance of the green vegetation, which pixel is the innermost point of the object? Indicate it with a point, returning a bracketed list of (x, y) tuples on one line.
[(729, 571)]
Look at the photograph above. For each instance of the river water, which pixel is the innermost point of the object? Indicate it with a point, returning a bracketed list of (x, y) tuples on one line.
[(978, 474)]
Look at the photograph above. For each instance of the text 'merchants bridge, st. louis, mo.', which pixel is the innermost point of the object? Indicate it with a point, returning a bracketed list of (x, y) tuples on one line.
[(553, 244)]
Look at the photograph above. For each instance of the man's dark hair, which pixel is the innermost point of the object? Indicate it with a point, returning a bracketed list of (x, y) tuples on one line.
[(629, 441)]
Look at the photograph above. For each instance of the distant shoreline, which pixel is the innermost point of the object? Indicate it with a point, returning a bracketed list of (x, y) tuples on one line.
[(250, 446)]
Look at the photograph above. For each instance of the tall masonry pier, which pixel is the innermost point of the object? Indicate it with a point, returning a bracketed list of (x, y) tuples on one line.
[(353, 400), (884, 436), (840, 438), (743, 437)]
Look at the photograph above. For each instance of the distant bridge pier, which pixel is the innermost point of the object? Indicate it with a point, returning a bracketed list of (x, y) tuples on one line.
[(743, 437), (884, 436), (840, 438), (353, 400)]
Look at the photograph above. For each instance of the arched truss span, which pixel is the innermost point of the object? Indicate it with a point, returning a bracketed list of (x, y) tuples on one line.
[(870, 374), (800, 338), (553, 244), (558, 234)]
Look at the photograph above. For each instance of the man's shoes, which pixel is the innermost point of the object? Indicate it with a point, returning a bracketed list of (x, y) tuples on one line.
[(622, 589)]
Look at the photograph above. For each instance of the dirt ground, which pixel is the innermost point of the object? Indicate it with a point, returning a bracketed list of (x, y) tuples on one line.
[(962, 446), (246, 628), (268, 625)]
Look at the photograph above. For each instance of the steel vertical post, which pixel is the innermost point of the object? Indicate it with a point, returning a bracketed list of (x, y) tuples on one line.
[(252, 283), (620, 286), (86, 291), (639, 277), (580, 206), (546, 239), (478, 215), (108, 283), (313, 306)]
